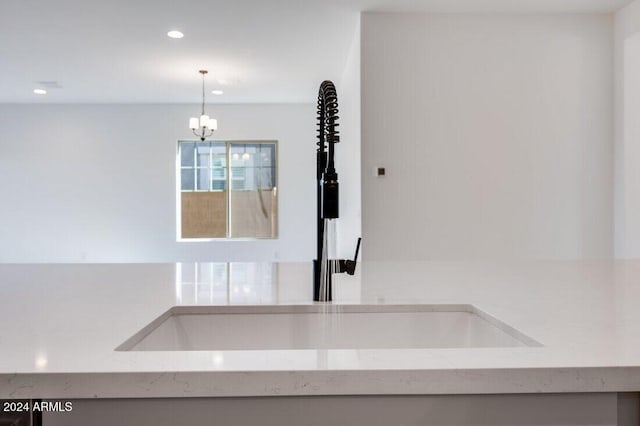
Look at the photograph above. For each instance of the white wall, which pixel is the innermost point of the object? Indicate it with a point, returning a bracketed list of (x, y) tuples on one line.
[(97, 183), (496, 132), (348, 155), (627, 131)]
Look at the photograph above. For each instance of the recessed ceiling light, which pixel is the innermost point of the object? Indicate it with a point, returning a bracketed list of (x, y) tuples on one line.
[(175, 34), (217, 92), (39, 91)]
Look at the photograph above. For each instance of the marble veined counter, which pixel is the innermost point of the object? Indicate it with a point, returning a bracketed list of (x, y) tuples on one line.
[(60, 325)]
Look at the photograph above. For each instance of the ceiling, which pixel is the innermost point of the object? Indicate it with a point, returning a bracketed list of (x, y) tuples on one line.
[(117, 51)]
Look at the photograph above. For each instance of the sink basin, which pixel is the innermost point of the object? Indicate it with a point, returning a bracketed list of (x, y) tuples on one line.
[(220, 328)]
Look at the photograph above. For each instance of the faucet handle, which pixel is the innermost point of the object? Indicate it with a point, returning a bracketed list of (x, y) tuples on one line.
[(349, 266)]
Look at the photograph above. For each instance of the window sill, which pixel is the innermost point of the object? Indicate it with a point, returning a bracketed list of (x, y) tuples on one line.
[(209, 240)]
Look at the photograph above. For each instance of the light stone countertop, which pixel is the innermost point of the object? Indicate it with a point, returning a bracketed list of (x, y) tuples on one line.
[(60, 324)]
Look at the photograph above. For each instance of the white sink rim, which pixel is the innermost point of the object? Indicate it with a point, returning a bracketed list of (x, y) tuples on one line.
[(180, 310)]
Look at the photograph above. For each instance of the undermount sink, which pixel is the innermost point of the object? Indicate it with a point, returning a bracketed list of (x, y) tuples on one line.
[(220, 328)]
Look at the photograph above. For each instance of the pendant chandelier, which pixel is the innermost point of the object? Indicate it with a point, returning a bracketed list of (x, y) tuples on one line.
[(204, 126)]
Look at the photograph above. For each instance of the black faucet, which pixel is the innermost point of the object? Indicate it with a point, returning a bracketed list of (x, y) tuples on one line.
[(327, 194)]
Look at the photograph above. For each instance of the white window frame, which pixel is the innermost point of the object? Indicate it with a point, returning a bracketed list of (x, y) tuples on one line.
[(228, 144)]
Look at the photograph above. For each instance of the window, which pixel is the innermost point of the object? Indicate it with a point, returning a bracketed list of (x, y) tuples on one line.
[(227, 189)]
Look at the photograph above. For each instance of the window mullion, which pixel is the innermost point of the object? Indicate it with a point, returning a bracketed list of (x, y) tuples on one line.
[(195, 167), (228, 209), (210, 171)]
